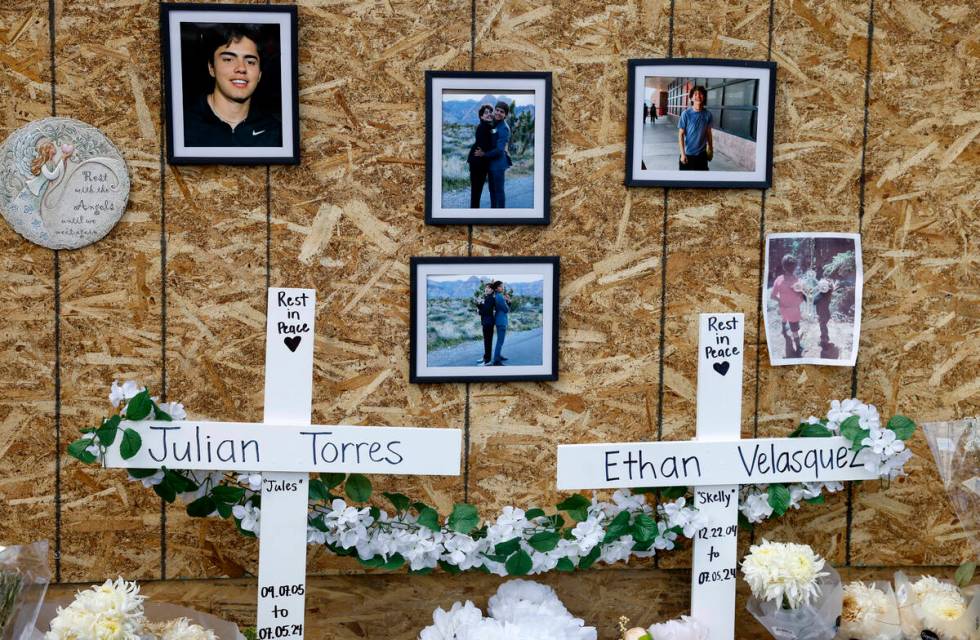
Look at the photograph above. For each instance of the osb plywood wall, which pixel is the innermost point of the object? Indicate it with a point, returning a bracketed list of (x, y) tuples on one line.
[(175, 295)]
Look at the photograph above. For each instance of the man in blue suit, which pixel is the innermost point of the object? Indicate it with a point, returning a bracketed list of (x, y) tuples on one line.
[(499, 159), (501, 309)]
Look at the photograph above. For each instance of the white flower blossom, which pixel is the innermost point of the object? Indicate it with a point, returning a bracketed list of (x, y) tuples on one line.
[(111, 611), (683, 628), (251, 478), (249, 517), (783, 571), (118, 393)]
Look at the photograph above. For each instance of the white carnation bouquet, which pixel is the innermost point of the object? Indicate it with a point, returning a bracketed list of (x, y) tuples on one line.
[(870, 612), (116, 610), (520, 610), (683, 628), (795, 594), (931, 608)]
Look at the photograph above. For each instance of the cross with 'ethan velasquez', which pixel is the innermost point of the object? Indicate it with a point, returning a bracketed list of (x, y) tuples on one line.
[(714, 465), (286, 448)]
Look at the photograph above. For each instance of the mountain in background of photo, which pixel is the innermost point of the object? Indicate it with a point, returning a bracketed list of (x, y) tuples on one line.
[(466, 111), (466, 288)]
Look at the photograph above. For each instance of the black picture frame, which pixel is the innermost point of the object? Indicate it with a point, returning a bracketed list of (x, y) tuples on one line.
[(287, 82), (420, 372), (639, 176), (540, 214)]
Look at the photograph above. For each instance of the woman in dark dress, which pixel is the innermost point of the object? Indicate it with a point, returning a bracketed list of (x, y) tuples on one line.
[(478, 164)]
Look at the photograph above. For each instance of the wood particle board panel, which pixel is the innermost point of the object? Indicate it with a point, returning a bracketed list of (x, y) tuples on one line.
[(608, 239), (820, 47), (920, 350), (27, 347), (106, 76), (347, 221)]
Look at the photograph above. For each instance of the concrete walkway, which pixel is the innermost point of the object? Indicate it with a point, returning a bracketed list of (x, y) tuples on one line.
[(660, 150), (518, 191)]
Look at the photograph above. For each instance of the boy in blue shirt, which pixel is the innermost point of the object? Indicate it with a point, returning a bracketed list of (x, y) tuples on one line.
[(694, 133)]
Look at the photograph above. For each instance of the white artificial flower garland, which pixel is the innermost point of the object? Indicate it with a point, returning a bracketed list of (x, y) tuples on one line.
[(516, 542)]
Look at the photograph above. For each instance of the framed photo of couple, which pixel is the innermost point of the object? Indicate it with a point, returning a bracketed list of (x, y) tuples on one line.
[(484, 319), (700, 123), (487, 147)]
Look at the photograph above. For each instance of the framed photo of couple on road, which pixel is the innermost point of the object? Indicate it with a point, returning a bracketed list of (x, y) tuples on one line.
[(487, 147), (484, 319), (231, 83), (700, 123)]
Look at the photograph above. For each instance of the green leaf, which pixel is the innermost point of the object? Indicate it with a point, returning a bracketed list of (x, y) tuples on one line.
[(779, 498), (375, 513), (180, 483), (358, 488), (903, 427), (519, 564), (227, 494), (424, 571), (139, 474), (451, 569), (77, 449), (644, 528), (507, 547), (565, 565), (673, 493), (590, 559), (576, 506), (851, 429), (812, 431), (139, 407), (396, 561), (398, 500), (544, 541), (107, 432), (428, 517), (332, 479), (618, 527), (160, 414), (964, 575), (743, 523), (531, 514), (224, 510), (317, 490), (130, 445), (165, 491), (372, 563), (464, 518), (816, 500), (643, 546), (202, 507)]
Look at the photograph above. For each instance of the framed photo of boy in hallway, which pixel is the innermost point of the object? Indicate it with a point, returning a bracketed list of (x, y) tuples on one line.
[(484, 319), (230, 73), (700, 123), (487, 147), (811, 298)]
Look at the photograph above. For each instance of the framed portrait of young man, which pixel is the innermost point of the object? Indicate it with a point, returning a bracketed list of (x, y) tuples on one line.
[(484, 319), (487, 147), (231, 80), (700, 123)]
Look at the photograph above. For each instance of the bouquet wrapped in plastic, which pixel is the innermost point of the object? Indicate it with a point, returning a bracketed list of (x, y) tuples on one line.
[(870, 612), (933, 609), (795, 594), (24, 577), (956, 447)]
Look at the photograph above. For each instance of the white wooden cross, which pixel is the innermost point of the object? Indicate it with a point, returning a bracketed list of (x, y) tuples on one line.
[(714, 464), (286, 448)]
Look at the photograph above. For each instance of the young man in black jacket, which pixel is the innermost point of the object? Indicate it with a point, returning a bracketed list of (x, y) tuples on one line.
[(226, 116), (486, 309)]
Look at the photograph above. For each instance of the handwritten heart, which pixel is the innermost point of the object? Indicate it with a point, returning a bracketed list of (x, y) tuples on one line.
[(720, 367), (293, 342)]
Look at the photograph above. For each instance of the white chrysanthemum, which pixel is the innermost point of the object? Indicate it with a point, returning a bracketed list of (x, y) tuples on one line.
[(181, 629), (939, 604), (782, 571), (869, 613), (684, 628), (111, 611), (446, 624)]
